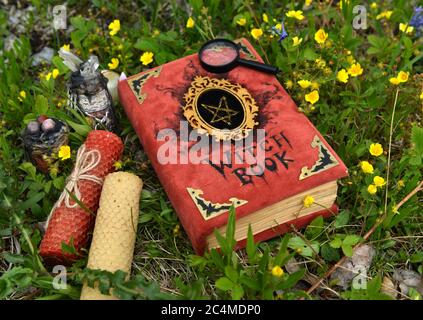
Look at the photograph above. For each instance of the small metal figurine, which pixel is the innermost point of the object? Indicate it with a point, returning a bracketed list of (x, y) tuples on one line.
[(41, 138), (88, 93)]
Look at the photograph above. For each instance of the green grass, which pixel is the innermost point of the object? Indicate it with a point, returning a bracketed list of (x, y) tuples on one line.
[(350, 115)]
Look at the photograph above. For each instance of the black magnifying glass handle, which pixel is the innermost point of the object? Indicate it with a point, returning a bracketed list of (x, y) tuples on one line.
[(258, 66)]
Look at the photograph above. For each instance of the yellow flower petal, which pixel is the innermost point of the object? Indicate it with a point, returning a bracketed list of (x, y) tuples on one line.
[(256, 33), (355, 70), (372, 189), (277, 271), (296, 41), (308, 201), (304, 84), (376, 149), (64, 152), (297, 14), (241, 21), (66, 47), (114, 27), (403, 76), (113, 64), (366, 167), (190, 23), (147, 58), (55, 73), (320, 36), (379, 181), (312, 97), (342, 76)]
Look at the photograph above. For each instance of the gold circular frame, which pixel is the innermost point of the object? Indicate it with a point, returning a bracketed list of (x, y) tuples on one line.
[(202, 84)]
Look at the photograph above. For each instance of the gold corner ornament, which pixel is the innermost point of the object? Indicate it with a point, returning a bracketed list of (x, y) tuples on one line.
[(219, 108), (209, 209), (325, 161), (137, 81)]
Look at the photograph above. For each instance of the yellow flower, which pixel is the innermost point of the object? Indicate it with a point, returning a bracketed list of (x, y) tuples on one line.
[(315, 85), (373, 5), (421, 96), (55, 73), (298, 14), (376, 149), (296, 41), (312, 97), (277, 271), (394, 81), (113, 64), (190, 23), (265, 18), (117, 165), (289, 84), (308, 201), (304, 83), (388, 14), (366, 167), (176, 230), (403, 76), (147, 58), (400, 184), (278, 26), (22, 96), (405, 28), (379, 181), (384, 14), (64, 152), (256, 33), (241, 21), (342, 76), (66, 47), (308, 2), (48, 76), (372, 189), (114, 27), (355, 70), (320, 36)]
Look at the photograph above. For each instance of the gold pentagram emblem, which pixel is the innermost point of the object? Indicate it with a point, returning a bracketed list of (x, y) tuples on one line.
[(220, 108), (221, 112)]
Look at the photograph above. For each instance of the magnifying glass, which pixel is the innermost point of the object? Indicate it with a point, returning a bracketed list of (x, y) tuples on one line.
[(222, 55)]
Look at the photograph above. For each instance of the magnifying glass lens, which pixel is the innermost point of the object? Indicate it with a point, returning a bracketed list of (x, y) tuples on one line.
[(218, 53)]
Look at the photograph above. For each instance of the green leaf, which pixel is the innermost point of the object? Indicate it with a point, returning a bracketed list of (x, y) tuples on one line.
[(251, 247), (329, 253), (417, 257), (336, 243), (224, 284), (347, 249), (351, 240), (41, 105), (314, 228), (291, 280), (342, 219), (302, 247), (231, 273), (237, 292), (417, 139)]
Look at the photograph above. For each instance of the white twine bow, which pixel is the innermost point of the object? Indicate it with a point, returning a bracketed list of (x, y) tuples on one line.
[(85, 161)]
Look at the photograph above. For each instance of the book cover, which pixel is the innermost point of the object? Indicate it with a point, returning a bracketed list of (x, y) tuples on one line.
[(262, 151)]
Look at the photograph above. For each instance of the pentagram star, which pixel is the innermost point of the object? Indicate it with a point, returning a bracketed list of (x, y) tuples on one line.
[(221, 108)]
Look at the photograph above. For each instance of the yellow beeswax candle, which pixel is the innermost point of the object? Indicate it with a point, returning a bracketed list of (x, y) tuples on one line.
[(112, 246)]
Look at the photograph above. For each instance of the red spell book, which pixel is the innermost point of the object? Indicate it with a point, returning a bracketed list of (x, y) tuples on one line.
[(236, 138)]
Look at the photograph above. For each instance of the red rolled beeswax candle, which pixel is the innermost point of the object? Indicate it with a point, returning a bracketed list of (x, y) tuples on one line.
[(69, 223)]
